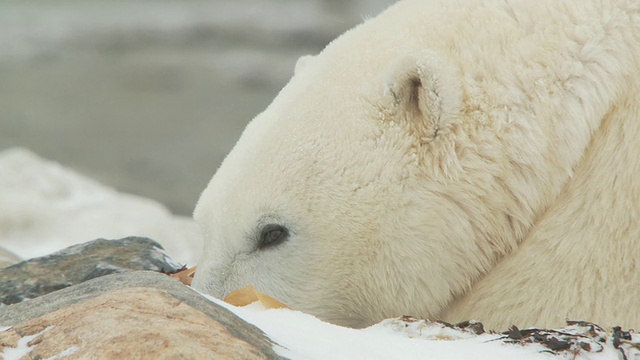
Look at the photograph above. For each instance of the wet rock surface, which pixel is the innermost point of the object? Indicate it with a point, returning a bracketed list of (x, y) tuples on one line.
[(79, 263)]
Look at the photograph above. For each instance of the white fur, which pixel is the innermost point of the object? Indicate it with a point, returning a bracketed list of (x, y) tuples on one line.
[(446, 159)]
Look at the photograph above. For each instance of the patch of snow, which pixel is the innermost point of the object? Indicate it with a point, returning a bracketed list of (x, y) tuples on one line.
[(66, 352), (301, 336), (5, 328), (46, 207), (22, 348)]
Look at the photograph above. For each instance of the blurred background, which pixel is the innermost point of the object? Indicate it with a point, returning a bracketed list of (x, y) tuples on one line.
[(149, 96)]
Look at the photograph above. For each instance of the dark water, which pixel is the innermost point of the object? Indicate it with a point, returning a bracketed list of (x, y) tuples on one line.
[(149, 96)]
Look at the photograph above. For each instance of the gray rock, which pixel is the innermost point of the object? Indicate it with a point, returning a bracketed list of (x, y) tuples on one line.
[(79, 263), (41, 312)]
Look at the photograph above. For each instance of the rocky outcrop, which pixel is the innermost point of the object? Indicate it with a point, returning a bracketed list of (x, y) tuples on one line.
[(76, 264), (131, 315)]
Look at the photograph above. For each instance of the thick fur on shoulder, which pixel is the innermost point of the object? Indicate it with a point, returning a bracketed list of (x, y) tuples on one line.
[(581, 258), (448, 159)]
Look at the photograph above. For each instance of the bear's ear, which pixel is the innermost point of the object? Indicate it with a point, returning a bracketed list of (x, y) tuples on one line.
[(423, 91)]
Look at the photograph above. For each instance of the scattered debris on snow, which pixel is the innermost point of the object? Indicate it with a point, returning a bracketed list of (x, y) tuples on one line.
[(579, 339), (413, 328)]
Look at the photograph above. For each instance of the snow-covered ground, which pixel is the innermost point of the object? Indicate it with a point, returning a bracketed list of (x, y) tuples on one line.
[(45, 207), (304, 337)]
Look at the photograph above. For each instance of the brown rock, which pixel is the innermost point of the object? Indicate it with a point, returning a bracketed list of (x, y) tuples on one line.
[(132, 323), (130, 315)]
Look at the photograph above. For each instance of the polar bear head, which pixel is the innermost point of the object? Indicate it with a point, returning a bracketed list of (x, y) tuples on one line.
[(393, 170)]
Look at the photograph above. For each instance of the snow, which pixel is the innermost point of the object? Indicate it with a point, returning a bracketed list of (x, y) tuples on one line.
[(22, 349), (65, 353), (303, 337), (46, 207)]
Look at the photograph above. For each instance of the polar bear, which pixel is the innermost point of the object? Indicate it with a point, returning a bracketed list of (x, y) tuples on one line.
[(448, 159)]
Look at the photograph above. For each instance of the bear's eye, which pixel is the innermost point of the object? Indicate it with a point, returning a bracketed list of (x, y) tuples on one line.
[(272, 234)]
